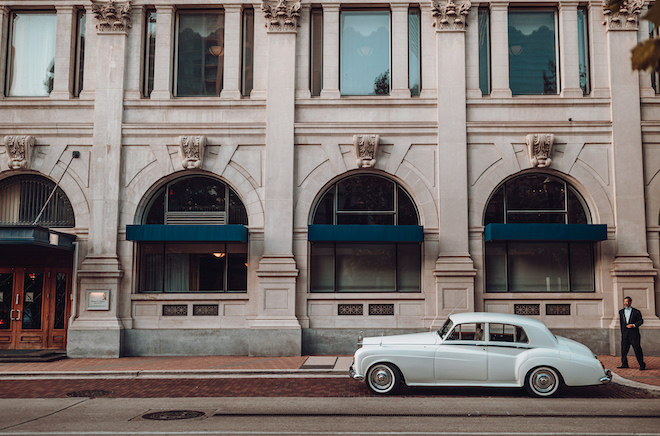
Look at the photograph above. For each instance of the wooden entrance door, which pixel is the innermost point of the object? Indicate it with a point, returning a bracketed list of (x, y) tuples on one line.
[(34, 308)]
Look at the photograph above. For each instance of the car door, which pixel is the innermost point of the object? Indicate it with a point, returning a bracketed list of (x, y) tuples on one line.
[(462, 355), (505, 343)]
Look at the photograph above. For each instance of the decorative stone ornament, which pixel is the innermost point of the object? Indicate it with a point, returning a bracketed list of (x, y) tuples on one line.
[(19, 149), (281, 15), (111, 16), (451, 14), (539, 146), (192, 151), (366, 147), (625, 18)]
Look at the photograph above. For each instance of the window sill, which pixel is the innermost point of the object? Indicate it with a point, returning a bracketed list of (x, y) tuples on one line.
[(192, 296), (366, 296), (542, 296)]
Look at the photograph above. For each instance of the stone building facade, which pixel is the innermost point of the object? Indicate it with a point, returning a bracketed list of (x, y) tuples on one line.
[(198, 177)]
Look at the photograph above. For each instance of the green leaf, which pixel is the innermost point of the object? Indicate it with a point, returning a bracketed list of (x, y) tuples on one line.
[(646, 55), (653, 15)]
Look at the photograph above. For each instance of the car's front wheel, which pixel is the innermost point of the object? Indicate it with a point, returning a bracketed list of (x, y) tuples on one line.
[(384, 378), (543, 382)]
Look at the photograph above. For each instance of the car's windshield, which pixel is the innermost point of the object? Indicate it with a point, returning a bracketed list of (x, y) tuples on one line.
[(445, 328)]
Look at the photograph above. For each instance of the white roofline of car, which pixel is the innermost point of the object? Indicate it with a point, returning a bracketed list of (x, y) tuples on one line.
[(504, 318)]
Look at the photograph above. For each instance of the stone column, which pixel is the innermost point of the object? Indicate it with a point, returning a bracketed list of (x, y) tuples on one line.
[(569, 60), (277, 330), (98, 333), (64, 53), (232, 66), (472, 52), (399, 62), (600, 78), (633, 273), (4, 24), (163, 53), (302, 54), (499, 49), (89, 78), (454, 270), (261, 55), (135, 48), (330, 51), (427, 31)]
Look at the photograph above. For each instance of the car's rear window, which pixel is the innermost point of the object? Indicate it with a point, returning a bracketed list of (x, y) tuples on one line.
[(507, 333)]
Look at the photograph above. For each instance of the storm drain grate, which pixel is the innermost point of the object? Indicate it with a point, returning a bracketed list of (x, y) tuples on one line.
[(91, 393), (169, 415)]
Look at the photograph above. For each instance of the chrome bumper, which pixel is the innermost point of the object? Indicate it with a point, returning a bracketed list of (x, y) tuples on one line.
[(354, 375), (607, 378)]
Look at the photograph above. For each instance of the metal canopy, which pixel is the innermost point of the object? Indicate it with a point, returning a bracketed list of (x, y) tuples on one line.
[(36, 235)]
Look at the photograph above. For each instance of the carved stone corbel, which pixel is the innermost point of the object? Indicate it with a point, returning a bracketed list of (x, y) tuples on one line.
[(366, 148), (626, 18), (539, 146), (192, 151), (450, 14), (19, 149), (112, 16), (281, 15)]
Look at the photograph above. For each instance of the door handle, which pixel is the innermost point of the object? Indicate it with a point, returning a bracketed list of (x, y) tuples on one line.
[(17, 296), (11, 315)]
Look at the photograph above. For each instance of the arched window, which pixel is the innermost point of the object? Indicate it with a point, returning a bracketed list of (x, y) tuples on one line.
[(184, 242), (357, 240), (23, 197), (542, 262)]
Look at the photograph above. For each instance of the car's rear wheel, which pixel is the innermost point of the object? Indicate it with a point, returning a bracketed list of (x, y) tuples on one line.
[(543, 381), (384, 378)]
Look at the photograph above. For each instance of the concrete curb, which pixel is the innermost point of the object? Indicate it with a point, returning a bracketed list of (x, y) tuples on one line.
[(633, 384), (170, 374)]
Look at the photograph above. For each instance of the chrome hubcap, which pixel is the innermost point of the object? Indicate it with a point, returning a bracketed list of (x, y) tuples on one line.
[(381, 378), (544, 381)]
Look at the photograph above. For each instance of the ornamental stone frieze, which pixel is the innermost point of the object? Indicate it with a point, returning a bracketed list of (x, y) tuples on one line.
[(112, 16), (539, 146), (625, 18), (366, 148), (281, 15), (451, 14), (19, 149), (191, 150)]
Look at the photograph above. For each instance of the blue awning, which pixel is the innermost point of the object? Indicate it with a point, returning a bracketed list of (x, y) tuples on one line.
[(187, 233), (364, 233), (546, 232), (36, 235)]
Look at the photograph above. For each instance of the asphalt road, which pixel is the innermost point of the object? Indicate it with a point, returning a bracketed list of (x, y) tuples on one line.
[(331, 416)]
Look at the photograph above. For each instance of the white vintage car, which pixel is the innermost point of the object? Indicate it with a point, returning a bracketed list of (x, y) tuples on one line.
[(478, 349)]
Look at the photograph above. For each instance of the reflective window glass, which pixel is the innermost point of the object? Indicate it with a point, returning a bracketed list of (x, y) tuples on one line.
[(507, 333), (247, 53), (364, 53), (583, 51), (484, 50), (80, 53), (414, 51), (31, 54), (316, 52), (200, 54), (467, 332), (149, 53), (533, 65)]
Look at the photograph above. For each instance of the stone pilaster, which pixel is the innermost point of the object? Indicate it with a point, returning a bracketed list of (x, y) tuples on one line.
[(400, 87), (135, 45), (279, 331), (330, 51), (302, 54), (472, 53), (569, 52), (99, 333), (633, 273), (89, 78), (260, 70), (163, 62), (64, 53), (232, 67), (454, 271), (499, 49)]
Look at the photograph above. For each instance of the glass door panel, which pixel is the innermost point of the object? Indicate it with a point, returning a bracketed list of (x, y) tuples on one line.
[(6, 292), (32, 300)]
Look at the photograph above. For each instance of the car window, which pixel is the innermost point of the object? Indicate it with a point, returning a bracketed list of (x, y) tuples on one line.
[(445, 328), (467, 332), (507, 333)]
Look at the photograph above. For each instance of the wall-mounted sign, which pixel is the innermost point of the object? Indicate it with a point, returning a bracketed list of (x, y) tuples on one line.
[(98, 300)]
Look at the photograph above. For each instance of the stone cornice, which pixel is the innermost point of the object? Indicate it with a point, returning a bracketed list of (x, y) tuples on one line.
[(450, 15), (281, 15)]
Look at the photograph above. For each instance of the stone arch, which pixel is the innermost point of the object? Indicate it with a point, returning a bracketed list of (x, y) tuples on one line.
[(135, 202), (324, 175)]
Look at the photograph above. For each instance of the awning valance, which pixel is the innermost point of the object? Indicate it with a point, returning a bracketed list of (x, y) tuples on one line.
[(364, 233), (36, 235), (187, 233), (545, 232)]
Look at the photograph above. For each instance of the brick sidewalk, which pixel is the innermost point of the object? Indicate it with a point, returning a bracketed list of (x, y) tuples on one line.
[(650, 377)]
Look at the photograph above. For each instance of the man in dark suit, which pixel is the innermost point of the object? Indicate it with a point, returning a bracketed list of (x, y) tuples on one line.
[(630, 319)]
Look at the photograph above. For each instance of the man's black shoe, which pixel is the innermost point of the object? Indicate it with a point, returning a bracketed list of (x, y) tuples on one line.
[(642, 367), (622, 366)]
